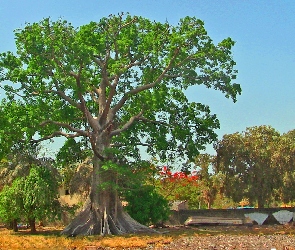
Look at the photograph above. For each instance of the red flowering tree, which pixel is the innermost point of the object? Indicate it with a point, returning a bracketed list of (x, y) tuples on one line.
[(178, 185)]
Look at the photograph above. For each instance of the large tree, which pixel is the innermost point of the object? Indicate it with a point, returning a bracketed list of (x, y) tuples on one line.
[(247, 161), (119, 83)]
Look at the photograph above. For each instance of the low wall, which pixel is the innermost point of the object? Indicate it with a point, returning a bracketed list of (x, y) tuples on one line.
[(179, 217)]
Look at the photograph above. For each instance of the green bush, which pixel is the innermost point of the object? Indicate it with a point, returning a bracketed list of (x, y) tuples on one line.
[(146, 206)]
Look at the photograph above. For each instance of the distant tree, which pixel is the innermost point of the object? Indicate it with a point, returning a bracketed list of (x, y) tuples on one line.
[(30, 198), (178, 185), (246, 160), (221, 201), (13, 126), (11, 203), (210, 183), (119, 83), (69, 161), (19, 160), (40, 196), (71, 152), (77, 177)]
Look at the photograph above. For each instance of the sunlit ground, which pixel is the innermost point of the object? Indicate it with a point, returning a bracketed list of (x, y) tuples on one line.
[(49, 237)]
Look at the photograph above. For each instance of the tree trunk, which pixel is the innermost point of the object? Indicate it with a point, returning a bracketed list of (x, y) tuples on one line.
[(32, 224), (14, 225), (103, 213), (260, 202)]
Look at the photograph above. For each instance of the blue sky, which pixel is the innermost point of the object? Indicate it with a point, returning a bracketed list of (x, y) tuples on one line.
[(264, 50)]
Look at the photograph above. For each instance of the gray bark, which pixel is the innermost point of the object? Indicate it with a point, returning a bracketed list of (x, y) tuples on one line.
[(103, 213)]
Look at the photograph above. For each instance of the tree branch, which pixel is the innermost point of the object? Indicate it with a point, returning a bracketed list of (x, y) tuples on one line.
[(136, 144), (65, 125), (145, 87), (56, 134), (126, 125), (84, 108), (97, 61), (109, 100), (95, 151), (65, 97), (96, 91), (152, 121), (13, 91)]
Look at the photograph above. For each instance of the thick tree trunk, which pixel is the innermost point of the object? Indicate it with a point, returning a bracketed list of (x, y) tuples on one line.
[(93, 221), (103, 213)]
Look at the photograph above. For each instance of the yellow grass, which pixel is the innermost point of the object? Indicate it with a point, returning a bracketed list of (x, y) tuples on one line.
[(50, 239)]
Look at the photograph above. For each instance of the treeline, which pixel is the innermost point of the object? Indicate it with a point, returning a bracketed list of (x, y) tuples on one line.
[(258, 165), (254, 167)]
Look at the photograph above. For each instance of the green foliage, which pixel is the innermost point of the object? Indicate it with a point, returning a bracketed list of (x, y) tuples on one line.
[(15, 124), (119, 83), (71, 152), (146, 206), (125, 71), (178, 186), (40, 194), (210, 183), (31, 197), (223, 202), (11, 201), (254, 164), (18, 162), (284, 159), (67, 159)]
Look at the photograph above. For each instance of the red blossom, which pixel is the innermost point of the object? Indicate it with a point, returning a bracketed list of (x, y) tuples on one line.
[(177, 176)]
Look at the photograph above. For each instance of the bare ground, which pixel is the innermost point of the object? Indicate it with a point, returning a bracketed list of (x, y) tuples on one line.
[(234, 237)]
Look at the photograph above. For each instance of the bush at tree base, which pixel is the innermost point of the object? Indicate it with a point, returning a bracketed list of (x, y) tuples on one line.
[(147, 206)]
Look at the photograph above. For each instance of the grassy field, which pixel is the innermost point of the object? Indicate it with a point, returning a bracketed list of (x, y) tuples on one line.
[(49, 238)]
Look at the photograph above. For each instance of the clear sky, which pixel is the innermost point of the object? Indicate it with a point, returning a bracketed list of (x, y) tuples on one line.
[(264, 32)]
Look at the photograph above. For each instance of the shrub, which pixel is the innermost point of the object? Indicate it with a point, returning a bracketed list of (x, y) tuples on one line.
[(146, 206)]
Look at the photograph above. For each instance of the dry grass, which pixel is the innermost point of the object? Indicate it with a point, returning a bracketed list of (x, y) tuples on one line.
[(49, 238)]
